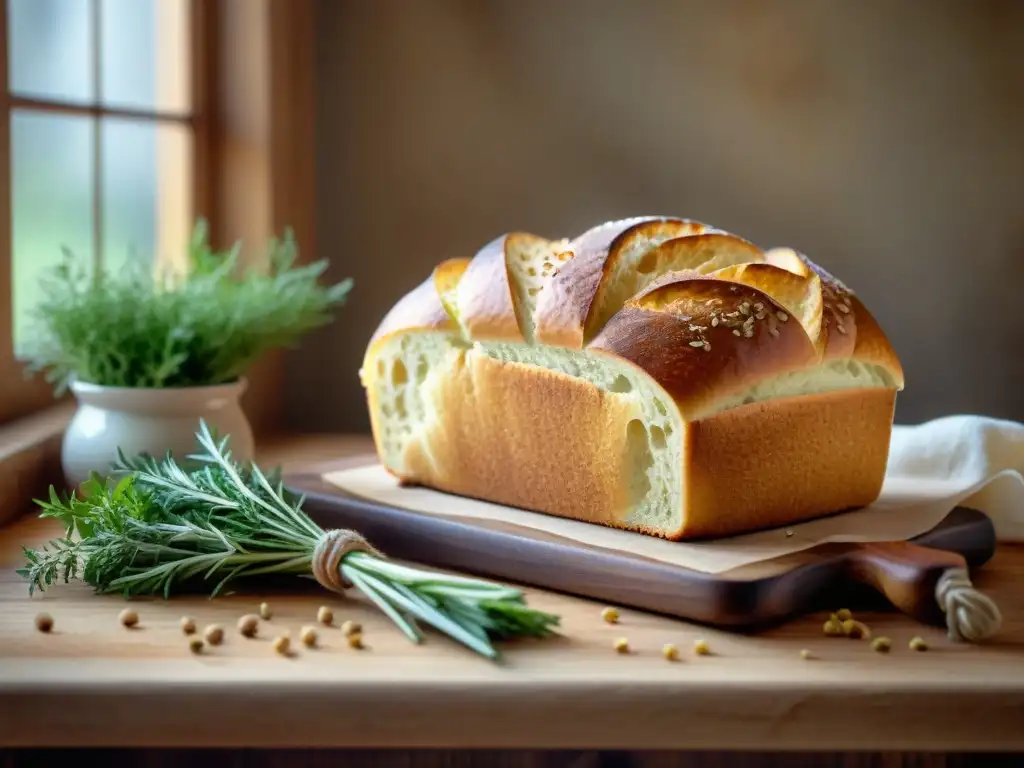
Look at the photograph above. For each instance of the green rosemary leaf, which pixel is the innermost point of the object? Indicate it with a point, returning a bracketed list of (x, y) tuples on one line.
[(160, 528)]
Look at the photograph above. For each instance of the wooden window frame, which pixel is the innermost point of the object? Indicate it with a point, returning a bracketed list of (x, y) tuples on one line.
[(252, 85)]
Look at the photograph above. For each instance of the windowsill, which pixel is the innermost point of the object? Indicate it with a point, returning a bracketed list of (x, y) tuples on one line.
[(30, 458)]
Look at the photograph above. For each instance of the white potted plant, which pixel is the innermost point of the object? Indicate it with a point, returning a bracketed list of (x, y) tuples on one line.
[(147, 357)]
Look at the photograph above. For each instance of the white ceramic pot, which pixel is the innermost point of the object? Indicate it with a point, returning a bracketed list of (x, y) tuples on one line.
[(152, 421)]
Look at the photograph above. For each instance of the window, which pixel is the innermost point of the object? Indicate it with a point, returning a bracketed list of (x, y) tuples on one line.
[(126, 119), (99, 130)]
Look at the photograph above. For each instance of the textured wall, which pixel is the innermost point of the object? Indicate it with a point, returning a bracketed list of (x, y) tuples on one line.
[(885, 139)]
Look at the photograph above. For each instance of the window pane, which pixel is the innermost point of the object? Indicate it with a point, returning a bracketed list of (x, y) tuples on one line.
[(49, 44), (147, 192), (51, 199), (145, 54)]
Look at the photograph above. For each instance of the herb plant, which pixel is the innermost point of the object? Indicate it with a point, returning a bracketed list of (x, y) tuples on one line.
[(160, 529), (204, 327)]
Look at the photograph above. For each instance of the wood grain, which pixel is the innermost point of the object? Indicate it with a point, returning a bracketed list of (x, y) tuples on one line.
[(93, 683)]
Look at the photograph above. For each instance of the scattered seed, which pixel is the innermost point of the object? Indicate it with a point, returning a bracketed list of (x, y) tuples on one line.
[(844, 614), (701, 648), (355, 640), (806, 654), (856, 629), (350, 628), (249, 625), (282, 644), (196, 645), (308, 637), (736, 332), (918, 644), (44, 622), (783, 317), (128, 617), (611, 615), (833, 627), (265, 612), (789, 532), (214, 634), (697, 343), (670, 652), (881, 644), (622, 645), (325, 615), (188, 626)]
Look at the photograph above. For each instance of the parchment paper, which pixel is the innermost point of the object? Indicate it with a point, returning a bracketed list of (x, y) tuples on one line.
[(933, 467)]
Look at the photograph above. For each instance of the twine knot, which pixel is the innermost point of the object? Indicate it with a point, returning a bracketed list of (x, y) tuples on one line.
[(330, 550), (970, 615)]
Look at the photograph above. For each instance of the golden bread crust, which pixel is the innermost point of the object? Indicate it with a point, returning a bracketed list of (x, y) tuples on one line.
[(716, 325), (786, 461), (566, 309), (762, 465), (419, 309), (703, 340), (485, 303)]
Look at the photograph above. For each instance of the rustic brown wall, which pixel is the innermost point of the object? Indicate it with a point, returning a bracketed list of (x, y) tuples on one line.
[(885, 139)]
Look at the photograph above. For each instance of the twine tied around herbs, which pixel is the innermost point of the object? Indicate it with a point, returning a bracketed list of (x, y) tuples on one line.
[(330, 550), (971, 616)]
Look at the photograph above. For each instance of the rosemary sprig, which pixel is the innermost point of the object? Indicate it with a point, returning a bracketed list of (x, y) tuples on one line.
[(160, 529)]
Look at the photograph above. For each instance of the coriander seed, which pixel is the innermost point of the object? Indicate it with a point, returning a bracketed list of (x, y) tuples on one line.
[(805, 654), (351, 628), (670, 651), (355, 640), (833, 627), (881, 644), (701, 648), (308, 637), (282, 644), (249, 625), (44, 622), (325, 615), (622, 645), (128, 617), (918, 644), (265, 612), (610, 615), (196, 645), (214, 634), (856, 630), (188, 625)]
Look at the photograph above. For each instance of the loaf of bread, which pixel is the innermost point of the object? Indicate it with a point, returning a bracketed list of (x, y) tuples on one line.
[(654, 374)]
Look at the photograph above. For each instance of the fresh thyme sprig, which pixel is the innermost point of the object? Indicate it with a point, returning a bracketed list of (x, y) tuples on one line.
[(160, 529)]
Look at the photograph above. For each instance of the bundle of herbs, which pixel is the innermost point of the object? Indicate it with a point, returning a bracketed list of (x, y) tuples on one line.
[(201, 326), (154, 528)]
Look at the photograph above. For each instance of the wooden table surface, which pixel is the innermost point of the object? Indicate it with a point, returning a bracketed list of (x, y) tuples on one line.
[(93, 682)]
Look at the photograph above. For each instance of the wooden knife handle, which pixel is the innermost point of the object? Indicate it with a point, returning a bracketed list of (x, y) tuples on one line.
[(907, 574)]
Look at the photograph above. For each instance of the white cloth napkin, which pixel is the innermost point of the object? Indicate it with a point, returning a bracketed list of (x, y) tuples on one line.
[(978, 460)]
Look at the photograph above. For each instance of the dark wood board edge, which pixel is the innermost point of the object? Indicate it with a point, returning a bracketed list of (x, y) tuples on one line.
[(747, 599)]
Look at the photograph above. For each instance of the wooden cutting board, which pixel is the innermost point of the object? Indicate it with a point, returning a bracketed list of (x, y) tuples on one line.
[(749, 598)]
